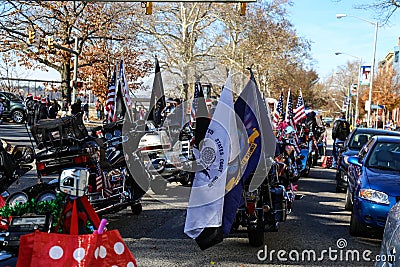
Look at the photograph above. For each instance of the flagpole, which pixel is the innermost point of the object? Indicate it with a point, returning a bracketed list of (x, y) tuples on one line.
[(264, 158), (114, 118)]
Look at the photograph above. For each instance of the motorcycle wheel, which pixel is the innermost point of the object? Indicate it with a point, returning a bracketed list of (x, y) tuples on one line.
[(308, 167), (256, 237), (315, 159), (186, 179), (18, 197), (46, 196), (158, 185), (136, 208)]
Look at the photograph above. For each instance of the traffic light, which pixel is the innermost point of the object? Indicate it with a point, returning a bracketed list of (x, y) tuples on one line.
[(242, 9), (31, 37), (149, 8), (50, 42)]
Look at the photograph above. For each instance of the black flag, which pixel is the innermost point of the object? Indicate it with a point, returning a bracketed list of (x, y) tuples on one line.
[(157, 101), (199, 114)]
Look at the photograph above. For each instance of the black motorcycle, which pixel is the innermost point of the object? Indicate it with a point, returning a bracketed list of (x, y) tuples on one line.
[(69, 152), (167, 166), (264, 208), (289, 155)]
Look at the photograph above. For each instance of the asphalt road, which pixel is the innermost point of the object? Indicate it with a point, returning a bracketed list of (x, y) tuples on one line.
[(317, 227)]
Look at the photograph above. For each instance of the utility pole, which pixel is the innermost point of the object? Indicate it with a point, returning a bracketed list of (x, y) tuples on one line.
[(75, 78)]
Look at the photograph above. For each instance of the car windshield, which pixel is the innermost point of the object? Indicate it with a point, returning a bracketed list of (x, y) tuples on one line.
[(12, 97), (385, 156), (359, 140)]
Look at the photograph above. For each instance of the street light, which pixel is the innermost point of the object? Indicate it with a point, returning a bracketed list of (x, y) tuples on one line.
[(339, 16), (358, 81)]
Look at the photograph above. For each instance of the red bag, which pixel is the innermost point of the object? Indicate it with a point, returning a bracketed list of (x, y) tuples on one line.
[(53, 249)]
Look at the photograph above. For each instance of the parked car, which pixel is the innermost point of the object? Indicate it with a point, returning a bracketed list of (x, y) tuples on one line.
[(14, 108), (391, 239), (374, 184), (354, 142)]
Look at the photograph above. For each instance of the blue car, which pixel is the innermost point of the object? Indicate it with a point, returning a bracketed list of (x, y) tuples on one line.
[(374, 184), (354, 142)]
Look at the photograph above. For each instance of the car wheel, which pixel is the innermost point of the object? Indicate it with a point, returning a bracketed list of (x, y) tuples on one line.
[(18, 116), (339, 189), (356, 228), (136, 208), (256, 237), (349, 204), (315, 159)]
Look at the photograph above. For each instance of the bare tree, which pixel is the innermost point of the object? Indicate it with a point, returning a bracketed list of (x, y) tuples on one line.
[(63, 21), (384, 9), (182, 34)]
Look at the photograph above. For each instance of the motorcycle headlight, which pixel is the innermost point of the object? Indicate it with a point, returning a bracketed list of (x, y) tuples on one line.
[(374, 196)]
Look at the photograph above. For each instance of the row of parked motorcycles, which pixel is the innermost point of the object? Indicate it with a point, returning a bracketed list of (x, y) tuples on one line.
[(114, 169)]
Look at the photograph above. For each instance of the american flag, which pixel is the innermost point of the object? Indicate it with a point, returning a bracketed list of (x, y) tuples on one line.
[(278, 111), (102, 183), (299, 112), (290, 119), (110, 102), (195, 104), (125, 90)]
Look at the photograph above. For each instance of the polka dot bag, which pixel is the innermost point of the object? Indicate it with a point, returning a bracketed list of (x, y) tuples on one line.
[(54, 249)]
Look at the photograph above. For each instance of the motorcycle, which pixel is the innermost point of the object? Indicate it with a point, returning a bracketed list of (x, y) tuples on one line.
[(69, 151), (264, 208), (166, 166), (14, 162), (304, 161), (312, 147), (288, 154), (120, 188)]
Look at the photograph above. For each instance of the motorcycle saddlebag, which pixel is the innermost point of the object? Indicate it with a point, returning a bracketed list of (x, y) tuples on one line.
[(59, 132)]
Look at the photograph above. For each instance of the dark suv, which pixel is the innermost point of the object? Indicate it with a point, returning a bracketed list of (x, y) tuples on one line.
[(14, 107)]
